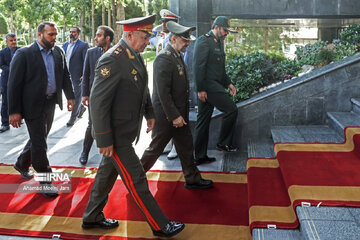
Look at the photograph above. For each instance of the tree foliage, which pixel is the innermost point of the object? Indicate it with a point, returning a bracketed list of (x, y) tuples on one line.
[(154, 6), (4, 29), (25, 15)]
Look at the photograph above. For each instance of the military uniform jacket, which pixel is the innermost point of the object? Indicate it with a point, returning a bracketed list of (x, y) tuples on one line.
[(171, 86), (119, 97), (209, 64)]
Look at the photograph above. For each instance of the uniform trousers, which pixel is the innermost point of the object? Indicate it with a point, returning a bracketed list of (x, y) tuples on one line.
[(125, 163), (182, 138), (34, 152), (223, 102)]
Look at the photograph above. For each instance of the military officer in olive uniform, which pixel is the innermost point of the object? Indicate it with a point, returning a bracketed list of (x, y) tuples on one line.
[(171, 107), (119, 98), (211, 81)]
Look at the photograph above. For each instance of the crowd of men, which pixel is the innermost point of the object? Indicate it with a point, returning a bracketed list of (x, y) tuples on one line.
[(112, 81)]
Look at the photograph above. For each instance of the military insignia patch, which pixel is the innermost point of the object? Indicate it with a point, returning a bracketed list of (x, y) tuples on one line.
[(129, 54), (133, 72), (105, 71)]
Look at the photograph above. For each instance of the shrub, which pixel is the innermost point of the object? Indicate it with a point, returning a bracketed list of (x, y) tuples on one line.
[(343, 49), (249, 73), (287, 69), (351, 34)]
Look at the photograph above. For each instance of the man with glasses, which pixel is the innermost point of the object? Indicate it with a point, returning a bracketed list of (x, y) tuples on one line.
[(211, 81)]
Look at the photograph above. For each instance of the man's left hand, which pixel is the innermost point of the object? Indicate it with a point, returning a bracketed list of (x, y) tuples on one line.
[(232, 89), (150, 124), (70, 104)]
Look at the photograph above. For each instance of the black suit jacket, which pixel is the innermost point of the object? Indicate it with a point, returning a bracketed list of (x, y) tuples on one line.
[(91, 57), (28, 81), (5, 59)]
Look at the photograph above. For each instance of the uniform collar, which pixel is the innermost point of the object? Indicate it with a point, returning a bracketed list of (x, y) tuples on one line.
[(172, 50)]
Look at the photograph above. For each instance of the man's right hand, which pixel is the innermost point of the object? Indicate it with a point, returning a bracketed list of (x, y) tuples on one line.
[(179, 122), (202, 96), (15, 120), (85, 101), (107, 151)]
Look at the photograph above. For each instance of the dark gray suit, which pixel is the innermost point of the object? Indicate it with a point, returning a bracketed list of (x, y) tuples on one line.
[(5, 60), (91, 57), (76, 64), (27, 87)]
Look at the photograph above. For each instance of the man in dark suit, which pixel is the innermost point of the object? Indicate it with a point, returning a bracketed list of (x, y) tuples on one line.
[(75, 51), (119, 99), (171, 107), (103, 39), (6, 56), (38, 75)]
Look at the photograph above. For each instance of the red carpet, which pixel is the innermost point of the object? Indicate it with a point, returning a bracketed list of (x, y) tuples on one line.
[(303, 172), (218, 213)]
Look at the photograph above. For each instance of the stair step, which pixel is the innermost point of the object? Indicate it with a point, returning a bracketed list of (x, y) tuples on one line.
[(261, 148), (276, 234), (340, 120), (329, 222), (310, 133), (356, 105)]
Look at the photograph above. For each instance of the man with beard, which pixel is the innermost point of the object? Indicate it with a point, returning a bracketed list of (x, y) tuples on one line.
[(119, 100), (6, 56), (171, 107), (75, 51), (103, 39), (38, 75), (211, 81)]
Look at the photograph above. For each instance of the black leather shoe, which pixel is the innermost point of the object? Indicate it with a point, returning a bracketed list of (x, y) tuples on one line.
[(71, 122), (104, 223), (170, 229), (204, 160), (48, 190), (83, 158), (25, 174), (226, 148), (4, 129), (81, 112), (203, 184)]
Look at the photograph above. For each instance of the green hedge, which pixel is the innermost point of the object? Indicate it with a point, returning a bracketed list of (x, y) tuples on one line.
[(252, 71)]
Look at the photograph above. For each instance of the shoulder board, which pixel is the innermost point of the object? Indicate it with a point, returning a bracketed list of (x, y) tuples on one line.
[(118, 51)]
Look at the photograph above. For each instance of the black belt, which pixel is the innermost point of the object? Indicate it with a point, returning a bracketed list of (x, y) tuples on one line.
[(50, 96)]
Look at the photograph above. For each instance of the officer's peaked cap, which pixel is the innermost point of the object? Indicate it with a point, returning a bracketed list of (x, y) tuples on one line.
[(144, 24), (168, 15), (181, 31)]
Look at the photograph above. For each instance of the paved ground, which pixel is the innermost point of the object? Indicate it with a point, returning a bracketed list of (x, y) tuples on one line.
[(65, 146)]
